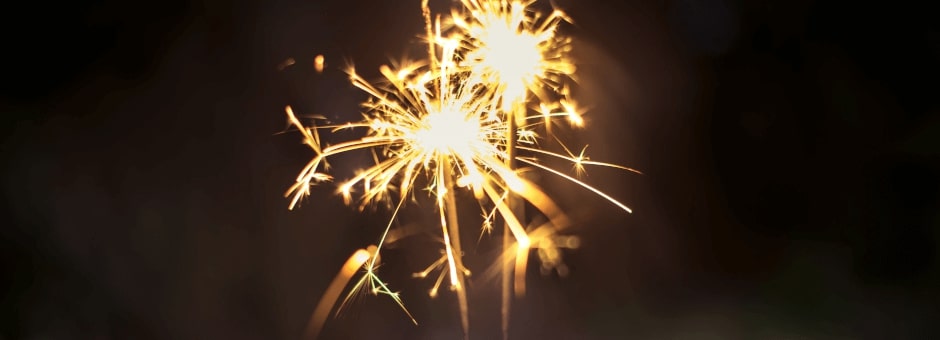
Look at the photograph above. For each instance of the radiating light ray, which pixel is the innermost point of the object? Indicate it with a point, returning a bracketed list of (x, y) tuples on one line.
[(575, 181), (459, 119), (579, 160), (513, 47)]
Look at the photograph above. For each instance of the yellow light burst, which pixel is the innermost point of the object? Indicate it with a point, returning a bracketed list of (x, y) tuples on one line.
[(459, 120), (513, 47)]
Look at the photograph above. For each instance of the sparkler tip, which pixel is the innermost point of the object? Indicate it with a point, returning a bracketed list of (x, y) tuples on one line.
[(459, 118)]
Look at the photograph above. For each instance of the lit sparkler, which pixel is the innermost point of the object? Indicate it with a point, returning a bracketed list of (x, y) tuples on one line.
[(459, 120), (513, 49)]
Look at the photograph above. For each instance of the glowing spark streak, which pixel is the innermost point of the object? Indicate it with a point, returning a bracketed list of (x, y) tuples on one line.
[(385, 234), (575, 181), (518, 231), (516, 208), (457, 276), (451, 260), (437, 284), (579, 161), (377, 285), (355, 261), (522, 240), (424, 273)]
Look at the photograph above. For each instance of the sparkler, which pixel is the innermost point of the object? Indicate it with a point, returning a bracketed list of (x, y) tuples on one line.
[(459, 120)]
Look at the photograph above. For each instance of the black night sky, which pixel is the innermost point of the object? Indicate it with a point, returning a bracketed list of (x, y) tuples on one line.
[(790, 150)]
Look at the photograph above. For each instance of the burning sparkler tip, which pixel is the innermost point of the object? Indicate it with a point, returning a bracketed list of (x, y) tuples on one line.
[(460, 119)]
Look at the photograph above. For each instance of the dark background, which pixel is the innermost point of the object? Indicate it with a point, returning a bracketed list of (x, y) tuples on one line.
[(791, 152)]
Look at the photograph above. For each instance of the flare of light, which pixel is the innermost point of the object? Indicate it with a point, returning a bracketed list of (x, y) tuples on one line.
[(453, 121), (513, 48)]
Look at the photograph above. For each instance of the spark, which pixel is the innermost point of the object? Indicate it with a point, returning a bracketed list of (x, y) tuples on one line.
[(458, 120), (318, 63), (513, 47), (357, 260)]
